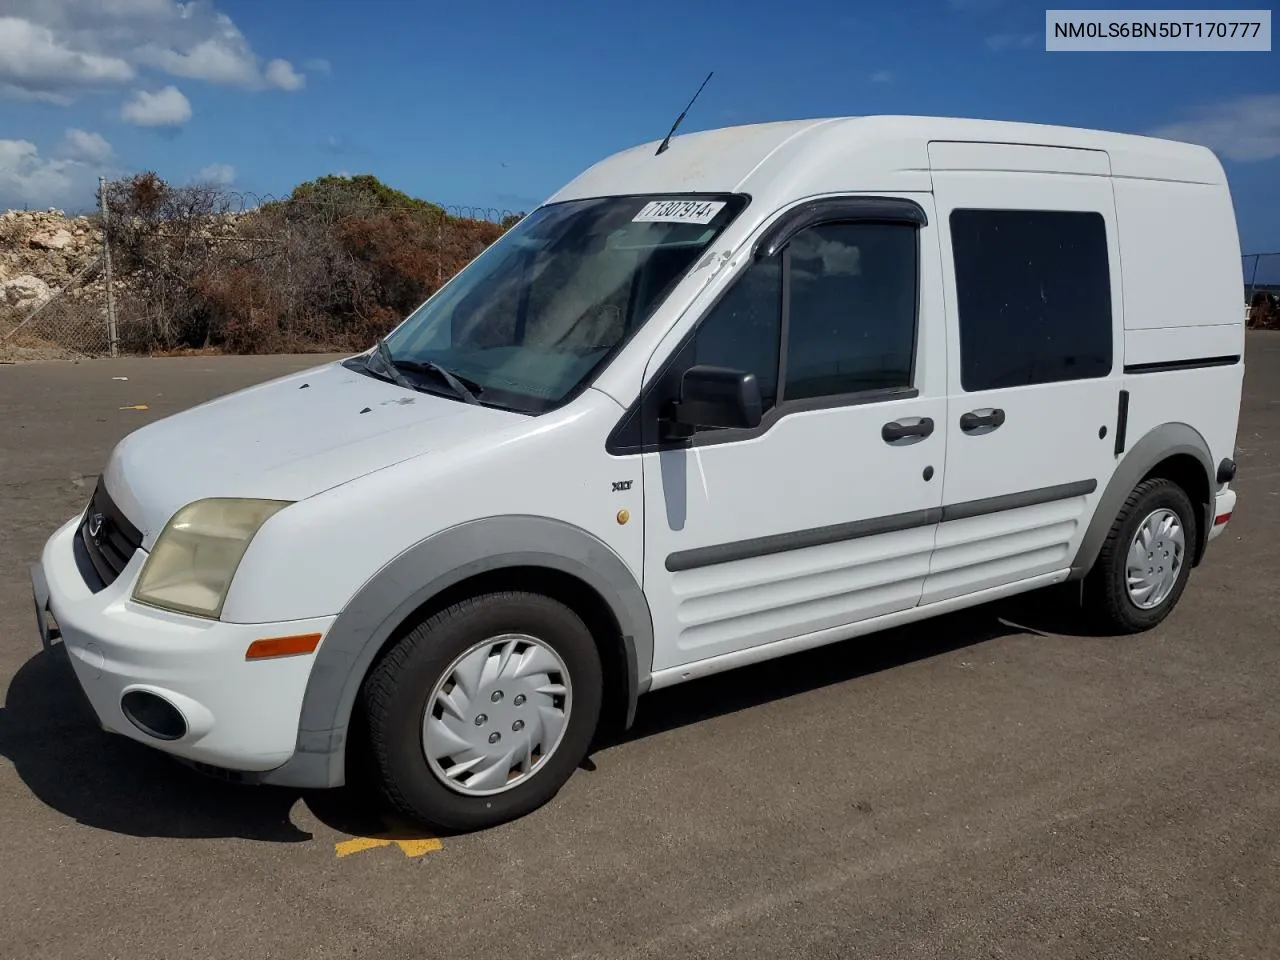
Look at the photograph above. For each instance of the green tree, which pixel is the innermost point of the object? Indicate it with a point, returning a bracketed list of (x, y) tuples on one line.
[(362, 189)]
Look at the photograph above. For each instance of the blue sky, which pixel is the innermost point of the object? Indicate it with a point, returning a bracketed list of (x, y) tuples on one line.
[(498, 103)]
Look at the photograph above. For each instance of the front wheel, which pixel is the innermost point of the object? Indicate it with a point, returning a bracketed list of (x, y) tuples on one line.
[(1146, 560), (481, 713)]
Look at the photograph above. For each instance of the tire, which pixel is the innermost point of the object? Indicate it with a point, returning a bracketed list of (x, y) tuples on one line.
[(1108, 598), (403, 686)]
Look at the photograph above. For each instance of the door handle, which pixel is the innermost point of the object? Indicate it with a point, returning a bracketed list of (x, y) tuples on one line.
[(981, 421), (907, 430)]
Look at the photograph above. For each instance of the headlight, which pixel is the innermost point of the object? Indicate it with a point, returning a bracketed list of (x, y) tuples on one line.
[(197, 553)]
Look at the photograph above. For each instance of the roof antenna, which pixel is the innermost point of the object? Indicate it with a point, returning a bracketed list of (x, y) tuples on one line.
[(670, 133)]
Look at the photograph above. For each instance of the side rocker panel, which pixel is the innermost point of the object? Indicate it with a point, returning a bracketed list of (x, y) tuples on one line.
[(1158, 444), (422, 572)]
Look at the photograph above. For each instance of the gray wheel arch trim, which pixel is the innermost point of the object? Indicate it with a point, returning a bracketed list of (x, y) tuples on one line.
[(1159, 443), (422, 572)]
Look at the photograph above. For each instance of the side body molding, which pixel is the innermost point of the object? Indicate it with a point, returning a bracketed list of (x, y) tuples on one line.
[(420, 573), (1160, 443)]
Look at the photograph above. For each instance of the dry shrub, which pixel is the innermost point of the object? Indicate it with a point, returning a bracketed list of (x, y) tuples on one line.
[(396, 248), (407, 254), (337, 264), (1264, 311), (243, 309)]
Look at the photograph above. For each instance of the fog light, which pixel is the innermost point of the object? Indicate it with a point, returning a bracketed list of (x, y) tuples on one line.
[(153, 715)]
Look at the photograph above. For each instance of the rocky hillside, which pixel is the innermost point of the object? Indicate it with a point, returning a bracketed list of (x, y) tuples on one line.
[(42, 253)]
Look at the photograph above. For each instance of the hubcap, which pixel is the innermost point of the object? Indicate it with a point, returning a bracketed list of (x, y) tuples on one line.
[(496, 715), (1155, 559)]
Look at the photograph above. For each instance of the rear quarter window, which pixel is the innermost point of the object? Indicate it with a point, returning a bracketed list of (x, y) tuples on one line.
[(1033, 292)]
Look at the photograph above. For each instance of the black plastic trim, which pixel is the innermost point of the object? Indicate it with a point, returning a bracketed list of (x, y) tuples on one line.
[(798, 540), (1122, 422), (109, 552), (838, 210), (1226, 471), (719, 553), (784, 328), (1193, 363), (1014, 501), (84, 563)]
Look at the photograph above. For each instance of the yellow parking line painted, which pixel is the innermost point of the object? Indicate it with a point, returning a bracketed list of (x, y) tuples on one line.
[(358, 844), (416, 848), (410, 848)]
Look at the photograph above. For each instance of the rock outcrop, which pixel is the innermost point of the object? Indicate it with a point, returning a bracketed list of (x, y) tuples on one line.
[(41, 253), (24, 291)]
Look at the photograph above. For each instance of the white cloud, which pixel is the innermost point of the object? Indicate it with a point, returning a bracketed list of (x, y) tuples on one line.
[(164, 108), (52, 49), (1244, 129), (1013, 41), (29, 180), (882, 76), (213, 60), (280, 74), (85, 147), (36, 64), (319, 65), (221, 174)]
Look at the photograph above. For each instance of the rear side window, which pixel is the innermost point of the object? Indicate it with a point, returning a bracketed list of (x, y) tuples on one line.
[(1033, 292)]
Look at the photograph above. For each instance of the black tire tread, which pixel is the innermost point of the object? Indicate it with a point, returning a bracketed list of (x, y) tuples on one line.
[(381, 685), (381, 682), (1107, 600)]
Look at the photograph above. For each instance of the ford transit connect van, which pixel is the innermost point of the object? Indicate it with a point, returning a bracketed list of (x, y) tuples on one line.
[(773, 387)]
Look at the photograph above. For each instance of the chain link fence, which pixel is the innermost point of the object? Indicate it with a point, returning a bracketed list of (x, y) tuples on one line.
[(1262, 290), (162, 269), (71, 321)]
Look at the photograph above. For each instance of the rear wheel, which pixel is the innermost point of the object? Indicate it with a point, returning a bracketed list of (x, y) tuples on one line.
[(481, 713), (1146, 560)]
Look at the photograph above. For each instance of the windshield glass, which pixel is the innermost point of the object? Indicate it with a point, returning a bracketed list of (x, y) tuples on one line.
[(533, 316)]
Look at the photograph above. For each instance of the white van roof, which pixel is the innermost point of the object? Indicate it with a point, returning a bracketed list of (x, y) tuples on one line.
[(794, 158)]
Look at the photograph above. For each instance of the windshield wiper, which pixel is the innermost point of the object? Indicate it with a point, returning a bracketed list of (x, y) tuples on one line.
[(463, 387), (383, 353)]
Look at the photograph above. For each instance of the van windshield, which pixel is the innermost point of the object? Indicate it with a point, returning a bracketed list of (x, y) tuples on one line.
[(531, 318)]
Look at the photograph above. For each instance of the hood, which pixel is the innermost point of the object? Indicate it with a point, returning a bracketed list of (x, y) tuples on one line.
[(286, 439)]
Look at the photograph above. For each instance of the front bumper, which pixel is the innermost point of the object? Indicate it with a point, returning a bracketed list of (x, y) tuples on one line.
[(238, 715)]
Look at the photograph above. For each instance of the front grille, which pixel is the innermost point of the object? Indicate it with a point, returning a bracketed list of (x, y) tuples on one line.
[(109, 539)]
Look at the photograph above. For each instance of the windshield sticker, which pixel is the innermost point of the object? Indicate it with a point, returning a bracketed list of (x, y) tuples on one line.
[(679, 211)]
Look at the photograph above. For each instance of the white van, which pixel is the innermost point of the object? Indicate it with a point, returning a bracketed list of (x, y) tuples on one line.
[(773, 387)]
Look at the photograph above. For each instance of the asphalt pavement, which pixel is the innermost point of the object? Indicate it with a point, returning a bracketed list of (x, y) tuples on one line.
[(996, 783)]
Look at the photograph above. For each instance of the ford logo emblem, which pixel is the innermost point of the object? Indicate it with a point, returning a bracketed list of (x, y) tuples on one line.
[(95, 524)]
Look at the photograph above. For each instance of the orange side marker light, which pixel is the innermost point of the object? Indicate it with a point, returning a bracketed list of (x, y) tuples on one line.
[(282, 646)]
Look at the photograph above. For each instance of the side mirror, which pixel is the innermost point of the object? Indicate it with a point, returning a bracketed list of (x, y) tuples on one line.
[(718, 397)]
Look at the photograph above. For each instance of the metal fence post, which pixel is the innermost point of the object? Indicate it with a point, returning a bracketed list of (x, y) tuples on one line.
[(291, 317), (1253, 280), (113, 339)]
